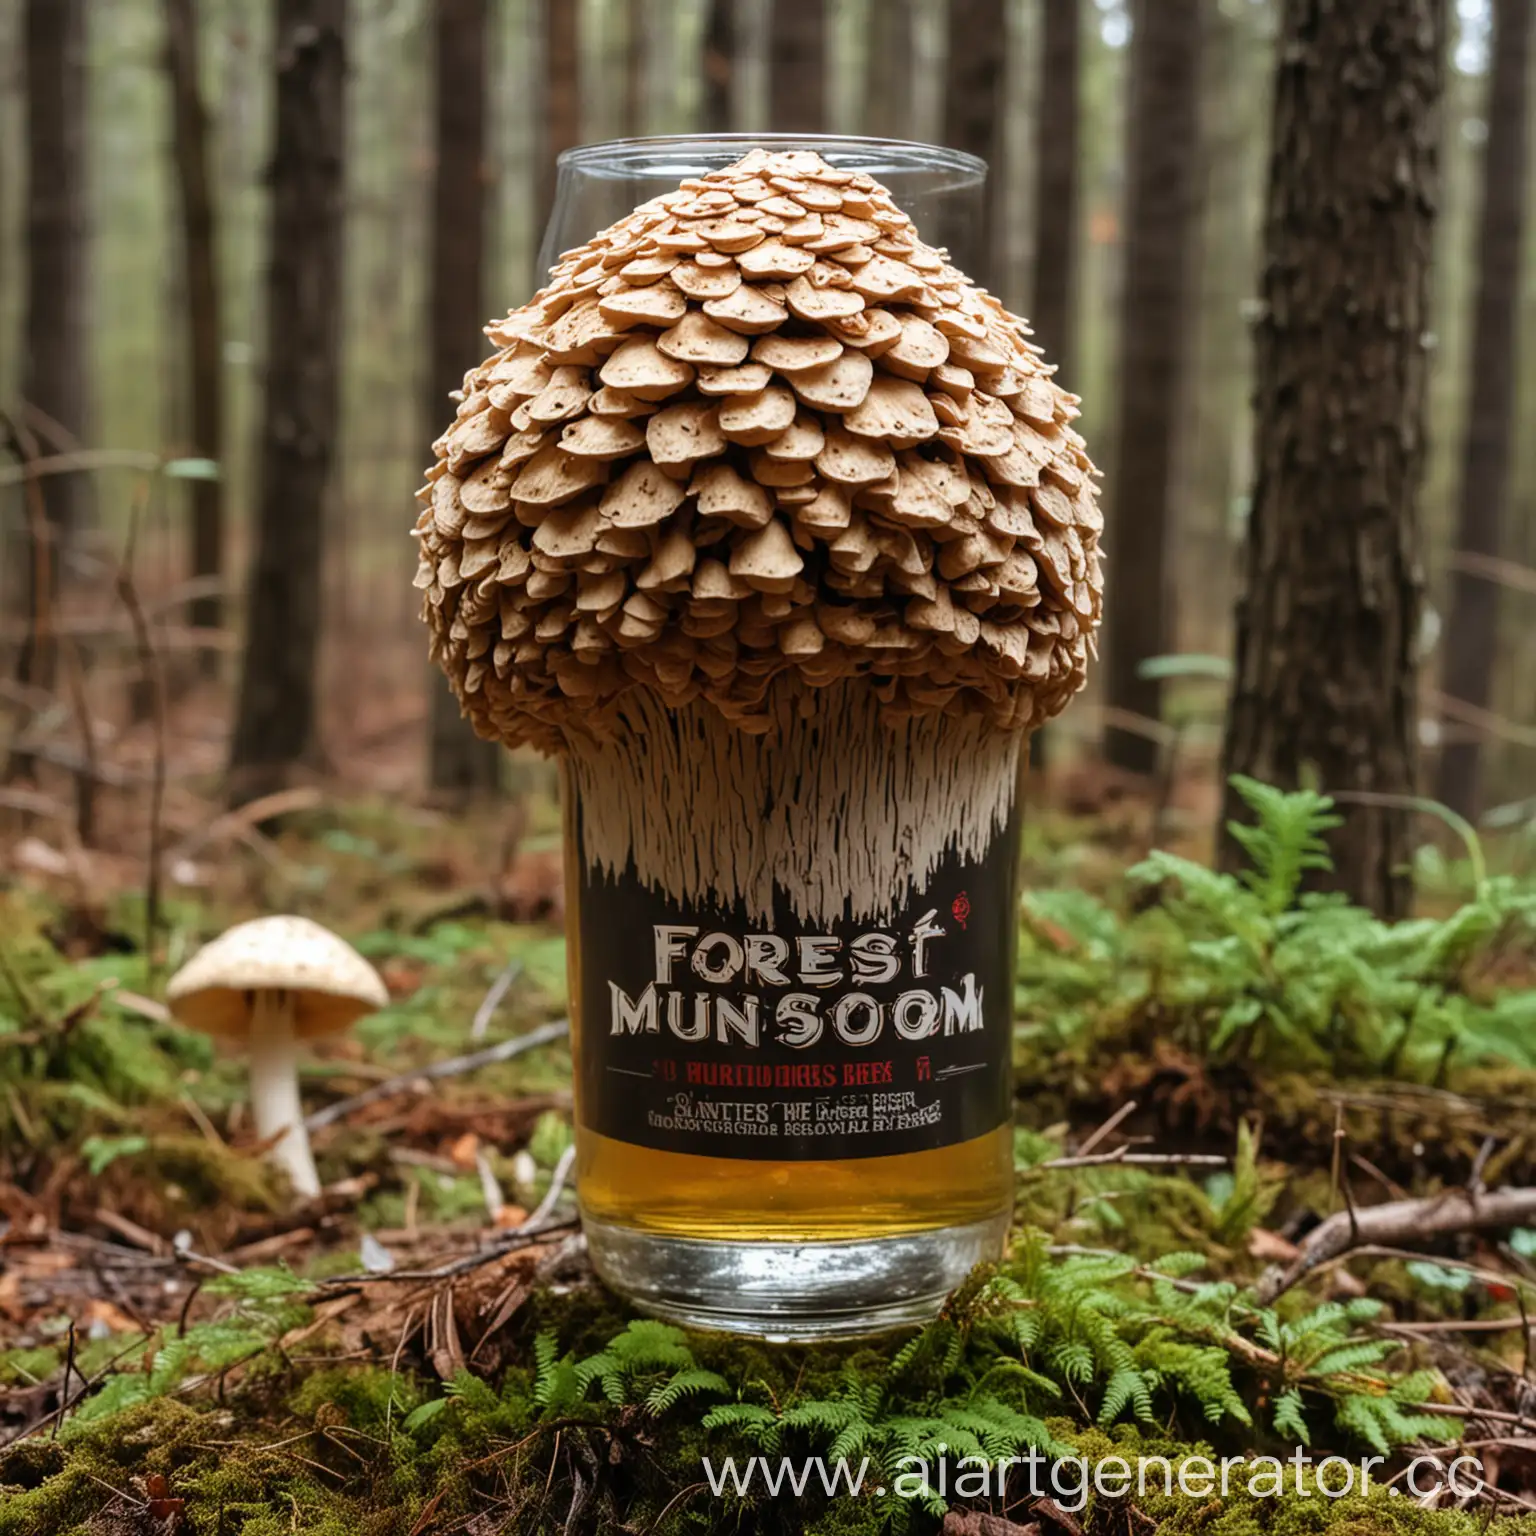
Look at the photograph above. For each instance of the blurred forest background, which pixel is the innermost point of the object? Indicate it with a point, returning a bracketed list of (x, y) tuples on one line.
[(170, 170)]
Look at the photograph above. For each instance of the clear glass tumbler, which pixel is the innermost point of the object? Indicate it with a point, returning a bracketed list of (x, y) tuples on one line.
[(942, 189), (865, 1151)]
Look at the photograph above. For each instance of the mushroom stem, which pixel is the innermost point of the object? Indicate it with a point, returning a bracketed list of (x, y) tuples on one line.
[(275, 1088), (822, 807)]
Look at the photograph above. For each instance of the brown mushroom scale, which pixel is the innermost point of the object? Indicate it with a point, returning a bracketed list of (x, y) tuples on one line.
[(747, 444)]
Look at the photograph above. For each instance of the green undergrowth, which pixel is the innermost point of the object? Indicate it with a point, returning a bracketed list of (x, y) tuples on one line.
[(83, 1059), (604, 1419), (1152, 1212), (315, 1472), (1124, 1322), (1258, 972)]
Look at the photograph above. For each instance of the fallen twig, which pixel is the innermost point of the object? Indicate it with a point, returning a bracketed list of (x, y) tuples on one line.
[(492, 999), (1124, 1112), (132, 1232), (1392, 1187), (525, 1237), (1469, 1411), (1400, 1222), (1455, 1325), (541, 1212), (452, 1066), (1124, 1155), (263, 1250)]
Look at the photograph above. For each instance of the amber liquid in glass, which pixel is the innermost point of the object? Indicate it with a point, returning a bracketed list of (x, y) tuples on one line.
[(731, 1200)]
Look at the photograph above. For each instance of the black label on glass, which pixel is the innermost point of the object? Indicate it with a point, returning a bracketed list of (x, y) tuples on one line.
[(704, 1031)]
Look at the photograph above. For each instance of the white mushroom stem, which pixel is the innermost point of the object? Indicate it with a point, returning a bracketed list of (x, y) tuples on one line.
[(274, 1052)]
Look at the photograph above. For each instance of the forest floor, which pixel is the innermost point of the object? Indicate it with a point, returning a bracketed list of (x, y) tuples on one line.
[(1275, 1173)]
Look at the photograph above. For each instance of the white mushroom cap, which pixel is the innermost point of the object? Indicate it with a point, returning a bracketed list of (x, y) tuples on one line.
[(330, 984)]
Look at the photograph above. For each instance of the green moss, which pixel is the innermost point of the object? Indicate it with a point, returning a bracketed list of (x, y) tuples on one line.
[(367, 1398), (330, 1455), (25, 1464)]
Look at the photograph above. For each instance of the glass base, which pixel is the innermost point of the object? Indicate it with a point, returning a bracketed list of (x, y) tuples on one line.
[(784, 1292)]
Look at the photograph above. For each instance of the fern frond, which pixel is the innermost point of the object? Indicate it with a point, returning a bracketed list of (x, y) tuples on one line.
[(1355, 1355), (1286, 841), (756, 1423), (1289, 1419), (1127, 1387), (692, 1382)]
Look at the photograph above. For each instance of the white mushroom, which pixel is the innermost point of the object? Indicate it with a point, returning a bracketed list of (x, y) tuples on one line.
[(269, 985)]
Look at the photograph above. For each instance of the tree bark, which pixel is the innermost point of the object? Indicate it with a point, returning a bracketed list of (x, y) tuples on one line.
[(1472, 634), (1327, 628), (634, 67), (888, 69), (719, 66), (1232, 114), (973, 94), (1057, 146), (1162, 167), (797, 67), (460, 765), (204, 339), (562, 93), (55, 377), (275, 719), (1056, 197)]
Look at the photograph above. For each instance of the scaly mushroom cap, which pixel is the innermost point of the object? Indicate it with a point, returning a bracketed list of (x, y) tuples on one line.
[(332, 986), (759, 428)]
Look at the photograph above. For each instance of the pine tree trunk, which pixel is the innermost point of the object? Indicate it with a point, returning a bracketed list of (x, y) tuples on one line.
[(55, 381), (1162, 169), (205, 369), (719, 66), (1221, 371), (275, 724), (888, 69), (634, 67), (1325, 684), (562, 92), (1057, 138), (973, 96), (460, 765), (1472, 635), (797, 67), (1056, 197)]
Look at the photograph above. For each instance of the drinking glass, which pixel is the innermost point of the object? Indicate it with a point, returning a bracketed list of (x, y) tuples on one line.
[(784, 1243)]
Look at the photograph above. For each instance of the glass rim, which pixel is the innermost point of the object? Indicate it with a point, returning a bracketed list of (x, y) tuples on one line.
[(616, 152)]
